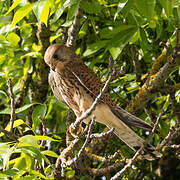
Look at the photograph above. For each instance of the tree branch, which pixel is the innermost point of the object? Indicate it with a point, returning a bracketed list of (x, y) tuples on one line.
[(74, 29), (153, 84), (10, 89)]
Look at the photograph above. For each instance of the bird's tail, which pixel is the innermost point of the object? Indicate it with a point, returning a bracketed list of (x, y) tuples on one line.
[(125, 133), (129, 119)]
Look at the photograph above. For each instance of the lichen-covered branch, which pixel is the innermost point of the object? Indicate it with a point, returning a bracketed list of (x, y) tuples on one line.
[(153, 84), (136, 62), (42, 71), (74, 29), (10, 89)]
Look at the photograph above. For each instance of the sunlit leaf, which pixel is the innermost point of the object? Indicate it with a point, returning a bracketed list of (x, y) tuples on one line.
[(13, 38), (119, 40), (20, 163), (45, 12), (168, 6), (38, 174), (47, 138), (18, 110), (21, 13), (16, 124), (28, 140), (15, 3), (124, 8), (9, 173), (50, 153)]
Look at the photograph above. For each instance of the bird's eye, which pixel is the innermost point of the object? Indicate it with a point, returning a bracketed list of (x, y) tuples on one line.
[(55, 56)]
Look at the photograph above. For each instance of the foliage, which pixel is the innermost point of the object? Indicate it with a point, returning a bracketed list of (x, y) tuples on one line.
[(124, 29)]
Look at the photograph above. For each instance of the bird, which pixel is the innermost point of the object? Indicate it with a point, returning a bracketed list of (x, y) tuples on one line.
[(77, 86)]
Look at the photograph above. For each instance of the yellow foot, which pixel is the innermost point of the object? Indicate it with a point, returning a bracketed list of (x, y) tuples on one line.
[(75, 132)]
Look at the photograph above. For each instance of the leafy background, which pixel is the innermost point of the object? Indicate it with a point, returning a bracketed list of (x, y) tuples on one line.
[(124, 29)]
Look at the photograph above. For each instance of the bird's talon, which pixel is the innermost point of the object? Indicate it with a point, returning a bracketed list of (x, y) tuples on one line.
[(75, 132)]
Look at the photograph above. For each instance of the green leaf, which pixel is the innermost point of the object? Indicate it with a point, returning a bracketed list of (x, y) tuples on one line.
[(108, 33), (50, 153), (92, 48), (28, 140), (37, 8), (119, 40), (168, 6), (9, 172), (72, 11), (6, 156), (143, 39), (146, 8), (13, 38), (46, 138), (92, 7), (18, 110), (29, 177), (16, 124), (62, 6), (38, 174), (33, 152), (70, 174), (16, 2), (4, 93), (45, 12), (83, 30), (20, 14), (20, 163), (4, 148), (124, 8), (39, 110), (164, 128)]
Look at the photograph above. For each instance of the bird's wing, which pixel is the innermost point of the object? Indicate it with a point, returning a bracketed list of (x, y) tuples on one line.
[(93, 85), (129, 119), (90, 81)]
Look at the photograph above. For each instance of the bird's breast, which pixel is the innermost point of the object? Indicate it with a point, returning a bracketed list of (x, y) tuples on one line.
[(73, 93)]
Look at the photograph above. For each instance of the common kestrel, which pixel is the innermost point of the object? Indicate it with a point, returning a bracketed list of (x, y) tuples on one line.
[(77, 86)]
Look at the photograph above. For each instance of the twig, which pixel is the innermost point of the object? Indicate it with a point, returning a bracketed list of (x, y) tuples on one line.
[(136, 62), (175, 106), (172, 133), (129, 165), (108, 169), (44, 130), (138, 153), (175, 146), (9, 84), (62, 158), (73, 161), (10, 135), (102, 134), (103, 159)]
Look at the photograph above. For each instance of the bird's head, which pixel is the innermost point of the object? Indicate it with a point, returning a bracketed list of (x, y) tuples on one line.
[(58, 53)]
